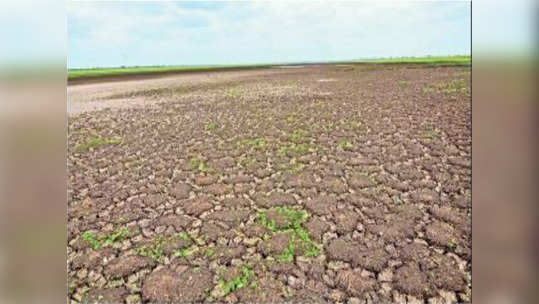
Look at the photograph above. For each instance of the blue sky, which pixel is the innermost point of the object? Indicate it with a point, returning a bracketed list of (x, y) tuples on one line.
[(102, 34)]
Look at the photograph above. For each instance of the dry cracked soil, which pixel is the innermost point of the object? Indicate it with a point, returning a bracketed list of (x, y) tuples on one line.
[(335, 183)]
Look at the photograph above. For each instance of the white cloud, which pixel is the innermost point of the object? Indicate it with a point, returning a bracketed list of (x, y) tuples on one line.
[(170, 33)]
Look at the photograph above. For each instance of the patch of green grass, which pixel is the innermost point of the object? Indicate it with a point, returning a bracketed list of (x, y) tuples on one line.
[(287, 255), (345, 144), (210, 252), (155, 250), (233, 92), (290, 85), (294, 225), (320, 103), (210, 126), (200, 164), (90, 238), (101, 241), (330, 126), (270, 224), (95, 142), (295, 218), (116, 283), (354, 125), (403, 84), (431, 133), (452, 244), (255, 143), (72, 286), (312, 251), (239, 282), (298, 136), (133, 163), (119, 235), (290, 119), (427, 90), (185, 237), (453, 87), (201, 240), (185, 252), (301, 148), (396, 200), (246, 161)]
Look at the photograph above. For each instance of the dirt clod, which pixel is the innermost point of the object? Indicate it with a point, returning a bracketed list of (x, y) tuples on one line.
[(167, 286)]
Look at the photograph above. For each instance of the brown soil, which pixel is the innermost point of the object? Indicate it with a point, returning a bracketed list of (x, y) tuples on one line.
[(169, 176)]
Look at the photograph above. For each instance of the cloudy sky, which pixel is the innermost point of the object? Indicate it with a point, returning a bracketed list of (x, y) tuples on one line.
[(102, 34)]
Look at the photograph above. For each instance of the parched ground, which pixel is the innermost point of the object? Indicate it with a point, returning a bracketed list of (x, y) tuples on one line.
[(338, 183)]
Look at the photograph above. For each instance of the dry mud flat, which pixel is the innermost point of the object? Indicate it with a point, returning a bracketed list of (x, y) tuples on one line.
[(347, 184)]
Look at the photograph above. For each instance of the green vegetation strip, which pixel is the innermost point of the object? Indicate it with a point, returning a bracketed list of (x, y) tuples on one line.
[(95, 142), (74, 74), (439, 60), (146, 70), (104, 240)]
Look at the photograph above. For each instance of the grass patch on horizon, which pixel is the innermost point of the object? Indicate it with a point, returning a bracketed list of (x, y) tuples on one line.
[(143, 70), (84, 73), (435, 60)]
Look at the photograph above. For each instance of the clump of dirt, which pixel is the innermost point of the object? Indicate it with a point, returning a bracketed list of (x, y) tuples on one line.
[(197, 206), (354, 283), (317, 227), (441, 234), (168, 286), (321, 205), (410, 279), (123, 266)]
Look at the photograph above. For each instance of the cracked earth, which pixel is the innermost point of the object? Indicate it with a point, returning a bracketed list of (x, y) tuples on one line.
[(347, 184)]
